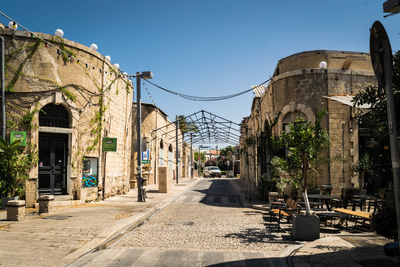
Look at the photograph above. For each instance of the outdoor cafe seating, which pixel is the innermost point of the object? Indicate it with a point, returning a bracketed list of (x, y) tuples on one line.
[(351, 206)]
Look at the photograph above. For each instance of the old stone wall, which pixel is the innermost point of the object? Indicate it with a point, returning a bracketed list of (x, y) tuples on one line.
[(159, 132), (95, 93), (299, 89)]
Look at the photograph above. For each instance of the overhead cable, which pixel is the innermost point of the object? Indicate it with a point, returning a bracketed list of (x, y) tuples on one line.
[(204, 98)]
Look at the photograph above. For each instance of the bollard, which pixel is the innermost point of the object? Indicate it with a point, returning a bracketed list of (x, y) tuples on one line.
[(45, 203), (15, 210)]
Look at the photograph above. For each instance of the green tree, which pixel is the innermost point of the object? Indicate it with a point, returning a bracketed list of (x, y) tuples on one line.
[(202, 156), (226, 151), (376, 116), (185, 126), (305, 142)]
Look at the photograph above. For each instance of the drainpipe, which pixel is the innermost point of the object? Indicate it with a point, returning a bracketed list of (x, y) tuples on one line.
[(3, 96)]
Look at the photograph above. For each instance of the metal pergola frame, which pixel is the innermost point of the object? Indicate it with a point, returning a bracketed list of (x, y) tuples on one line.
[(205, 128), (208, 128)]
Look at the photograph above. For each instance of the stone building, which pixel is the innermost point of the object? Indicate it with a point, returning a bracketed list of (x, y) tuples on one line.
[(300, 87), (159, 146), (67, 98)]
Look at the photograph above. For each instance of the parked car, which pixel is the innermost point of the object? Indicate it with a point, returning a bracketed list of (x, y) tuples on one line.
[(212, 171)]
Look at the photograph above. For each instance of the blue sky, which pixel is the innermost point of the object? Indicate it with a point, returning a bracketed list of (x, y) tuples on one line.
[(207, 47)]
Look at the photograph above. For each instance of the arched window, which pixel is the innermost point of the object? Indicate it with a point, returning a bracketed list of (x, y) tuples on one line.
[(161, 144), (292, 117), (53, 115), (170, 148)]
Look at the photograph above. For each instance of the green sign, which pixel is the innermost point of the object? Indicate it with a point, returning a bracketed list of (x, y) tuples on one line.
[(146, 161), (109, 144), (18, 135)]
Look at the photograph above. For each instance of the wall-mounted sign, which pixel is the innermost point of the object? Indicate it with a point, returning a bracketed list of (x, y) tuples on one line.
[(146, 161), (146, 155), (109, 144), (18, 135)]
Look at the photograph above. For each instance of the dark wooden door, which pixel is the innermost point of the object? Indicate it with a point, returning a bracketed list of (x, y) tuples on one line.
[(53, 163)]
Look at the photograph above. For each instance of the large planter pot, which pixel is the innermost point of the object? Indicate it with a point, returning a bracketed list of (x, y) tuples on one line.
[(305, 228), (5, 200)]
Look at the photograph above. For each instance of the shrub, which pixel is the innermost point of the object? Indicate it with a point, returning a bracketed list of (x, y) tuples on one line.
[(384, 221), (14, 169)]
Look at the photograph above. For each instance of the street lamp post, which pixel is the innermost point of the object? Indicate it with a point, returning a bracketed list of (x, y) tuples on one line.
[(191, 155), (143, 75), (177, 150)]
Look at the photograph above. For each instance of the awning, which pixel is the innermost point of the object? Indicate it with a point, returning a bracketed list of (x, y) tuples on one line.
[(347, 100)]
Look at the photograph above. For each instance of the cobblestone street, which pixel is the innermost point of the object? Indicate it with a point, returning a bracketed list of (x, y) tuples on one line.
[(206, 225)]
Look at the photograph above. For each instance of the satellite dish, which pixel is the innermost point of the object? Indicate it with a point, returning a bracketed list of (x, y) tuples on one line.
[(379, 44)]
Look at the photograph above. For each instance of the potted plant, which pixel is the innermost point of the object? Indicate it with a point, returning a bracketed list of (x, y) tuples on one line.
[(365, 165), (14, 168), (305, 141)]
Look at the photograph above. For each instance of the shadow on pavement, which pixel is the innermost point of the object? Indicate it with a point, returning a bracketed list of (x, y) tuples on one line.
[(219, 193), (370, 256), (256, 235)]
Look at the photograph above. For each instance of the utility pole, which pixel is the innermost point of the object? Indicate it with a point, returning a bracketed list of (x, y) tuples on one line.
[(177, 149), (191, 155), (3, 95), (143, 75), (139, 138), (199, 159)]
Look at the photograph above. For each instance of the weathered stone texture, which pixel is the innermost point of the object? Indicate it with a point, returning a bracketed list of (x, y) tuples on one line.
[(299, 88), (161, 144), (101, 106), (15, 210)]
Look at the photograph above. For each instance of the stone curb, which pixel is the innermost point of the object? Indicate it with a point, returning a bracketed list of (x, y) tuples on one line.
[(292, 253), (108, 237)]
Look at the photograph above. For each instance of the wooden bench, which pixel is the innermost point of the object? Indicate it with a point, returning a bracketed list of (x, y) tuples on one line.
[(363, 215)]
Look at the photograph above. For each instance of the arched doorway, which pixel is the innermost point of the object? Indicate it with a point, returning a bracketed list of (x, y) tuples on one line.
[(53, 149)]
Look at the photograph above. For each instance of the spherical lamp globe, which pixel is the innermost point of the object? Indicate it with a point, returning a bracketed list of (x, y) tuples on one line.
[(93, 46), (59, 33), (323, 65)]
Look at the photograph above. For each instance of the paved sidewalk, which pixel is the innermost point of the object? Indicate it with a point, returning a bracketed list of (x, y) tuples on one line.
[(66, 233), (337, 248), (344, 249)]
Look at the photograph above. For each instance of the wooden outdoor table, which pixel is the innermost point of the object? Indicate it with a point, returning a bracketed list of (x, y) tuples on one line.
[(327, 199), (363, 215), (330, 216)]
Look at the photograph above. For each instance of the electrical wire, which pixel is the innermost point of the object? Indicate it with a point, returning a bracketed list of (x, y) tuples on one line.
[(204, 98), (113, 69), (185, 96)]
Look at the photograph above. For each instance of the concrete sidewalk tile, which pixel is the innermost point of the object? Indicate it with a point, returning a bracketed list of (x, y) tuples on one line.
[(73, 230)]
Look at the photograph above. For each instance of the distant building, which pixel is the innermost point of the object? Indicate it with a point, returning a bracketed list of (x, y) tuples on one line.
[(159, 146), (300, 87)]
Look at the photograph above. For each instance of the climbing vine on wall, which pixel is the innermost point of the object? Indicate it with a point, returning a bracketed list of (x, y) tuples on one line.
[(19, 114), (18, 71)]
